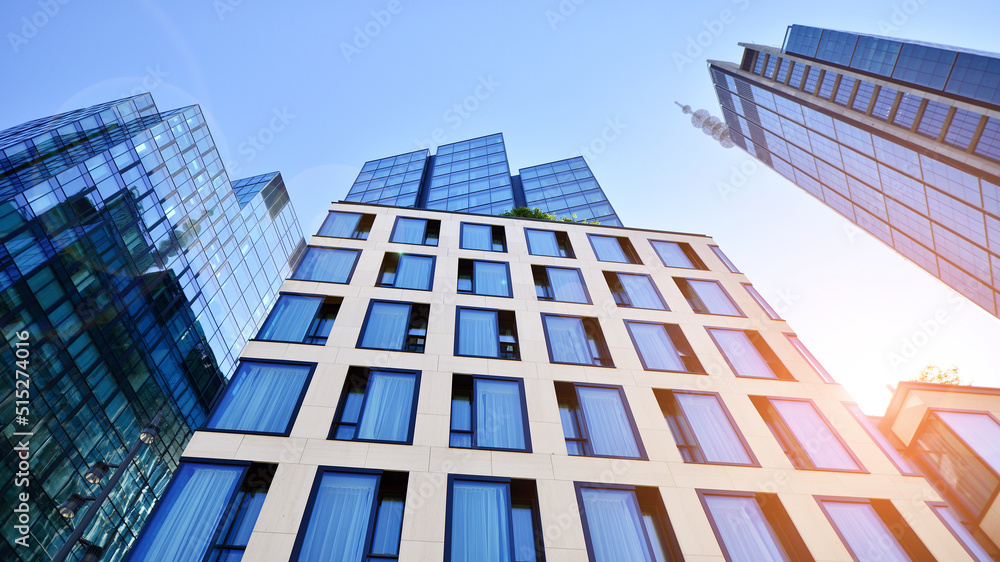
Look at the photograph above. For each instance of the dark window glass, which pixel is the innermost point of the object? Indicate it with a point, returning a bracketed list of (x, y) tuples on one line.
[(614, 248), (548, 243), (634, 290), (597, 421), (397, 326), (329, 265), (804, 434), (377, 405), (703, 429), (663, 347), (300, 319), (488, 413), (406, 271), (560, 284), (485, 237), (416, 231), (577, 340), (347, 225), (486, 333), (261, 398), (490, 278)]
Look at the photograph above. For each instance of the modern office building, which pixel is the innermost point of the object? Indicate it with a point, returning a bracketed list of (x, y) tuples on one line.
[(138, 271), (473, 176), (437, 385), (900, 137), (952, 434)]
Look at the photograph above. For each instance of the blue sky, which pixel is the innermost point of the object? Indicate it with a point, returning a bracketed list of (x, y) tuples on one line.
[(314, 89)]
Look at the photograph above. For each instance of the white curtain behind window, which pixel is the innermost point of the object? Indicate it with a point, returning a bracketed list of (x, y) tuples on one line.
[(499, 423), (477, 237), (656, 347), (568, 340), (672, 254), (714, 296), (326, 264), (979, 431), (608, 248), (490, 278), (480, 524), (607, 422), (543, 243), (260, 398), (718, 439), (409, 231), (640, 291), (566, 285), (865, 533), (340, 225), (388, 405), (478, 333), (290, 319), (615, 523), (741, 353), (414, 272), (387, 325), (813, 435), (744, 530), (338, 522)]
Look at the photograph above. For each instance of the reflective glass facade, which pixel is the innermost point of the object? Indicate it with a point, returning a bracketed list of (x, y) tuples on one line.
[(883, 136), (474, 176), (139, 272)]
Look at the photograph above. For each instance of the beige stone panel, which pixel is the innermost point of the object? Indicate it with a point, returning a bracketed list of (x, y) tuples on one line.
[(329, 452), (642, 473), (397, 457), (534, 466), (267, 448), (904, 426), (286, 499), (514, 369), (460, 461), (694, 475), (815, 529), (660, 445), (426, 505), (990, 523), (431, 430), (435, 393), (540, 399), (420, 551), (269, 547), (690, 523), (819, 482), (313, 422), (547, 437), (212, 445), (560, 516), (326, 385), (583, 469), (753, 479), (565, 554), (932, 532), (255, 349)]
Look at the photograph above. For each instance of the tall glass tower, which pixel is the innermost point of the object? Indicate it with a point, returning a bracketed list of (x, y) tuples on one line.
[(138, 271), (900, 137), (473, 176)]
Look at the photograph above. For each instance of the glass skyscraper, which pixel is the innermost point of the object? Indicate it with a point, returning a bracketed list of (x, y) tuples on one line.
[(900, 137), (473, 176), (138, 271)]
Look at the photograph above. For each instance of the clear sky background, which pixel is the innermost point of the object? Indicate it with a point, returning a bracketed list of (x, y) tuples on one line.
[(314, 89)]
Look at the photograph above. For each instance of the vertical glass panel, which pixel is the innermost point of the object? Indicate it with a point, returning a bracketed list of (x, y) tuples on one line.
[(386, 328), (963, 534), (725, 260), (477, 237), (260, 398), (491, 278), (608, 248), (743, 529), (815, 437), (340, 225), (568, 340), (409, 231), (615, 525), (478, 333), (567, 286), (979, 431), (388, 525), (338, 521), (672, 254), (742, 354), (655, 347), (607, 422), (327, 265), (414, 272), (480, 522), (716, 436), (640, 291), (887, 448), (865, 532), (524, 535), (388, 405), (714, 297), (761, 302), (542, 243), (499, 422), (186, 518), (290, 319)]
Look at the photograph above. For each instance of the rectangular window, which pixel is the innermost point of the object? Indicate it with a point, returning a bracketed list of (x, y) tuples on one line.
[(377, 405), (492, 519), (486, 237), (486, 333), (707, 297), (663, 347), (677, 254), (408, 230), (873, 431), (864, 527), (634, 290), (614, 248), (356, 515), (597, 421), (489, 278), (396, 326), (753, 526), (577, 340), (261, 398), (406, 271), (980, 548), (548, 243), (805, 436), (626, 523), (561, 284), (217, 505), (347, 225), (300, 319), (761, 302), (813, 362), (328, 265), (703, 428), (725, 260), (748, 355), (488, 413)]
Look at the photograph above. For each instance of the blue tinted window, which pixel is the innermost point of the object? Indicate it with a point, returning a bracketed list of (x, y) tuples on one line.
[(923, 65), (328, 265), (844, 90), (261, 398), (976, 77), (485, 237), (559, 284), (377, 405), (907, 111), (346, 225), (962, 128), (484, 278), (989, 142), (298, 319), (663, 347), (803, 40), (836, 47), (407, 271), (597, 421), (634, 290), (486, 333), (863, 97), (933, 119), (707, 297), (488, 413), (548, 243), (572, 339), (883, 103), (416, 231), (613, 248), (875, 55)]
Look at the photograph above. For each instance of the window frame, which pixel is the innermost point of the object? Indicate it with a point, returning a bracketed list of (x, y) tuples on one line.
[(398, 256), (787, 536), (493, 232), (342, 403), (663, 523), (684, 285), (292, 415), (666, 400), (300, 533), (472, 410), (911, 544), (688, 251), (935, 505), (582, 417), (721, 256), (512, 314), (590, 321), (427, 228), (326, 300), (617, 279), (535, 512), (790, 444), (350, 274), (685, 351), (548, 281), (763, 304), (870, 428), (364, 219), (755, 337), (570, 253), (472, 262), (814, 363), (364, 325), (624, 242)]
